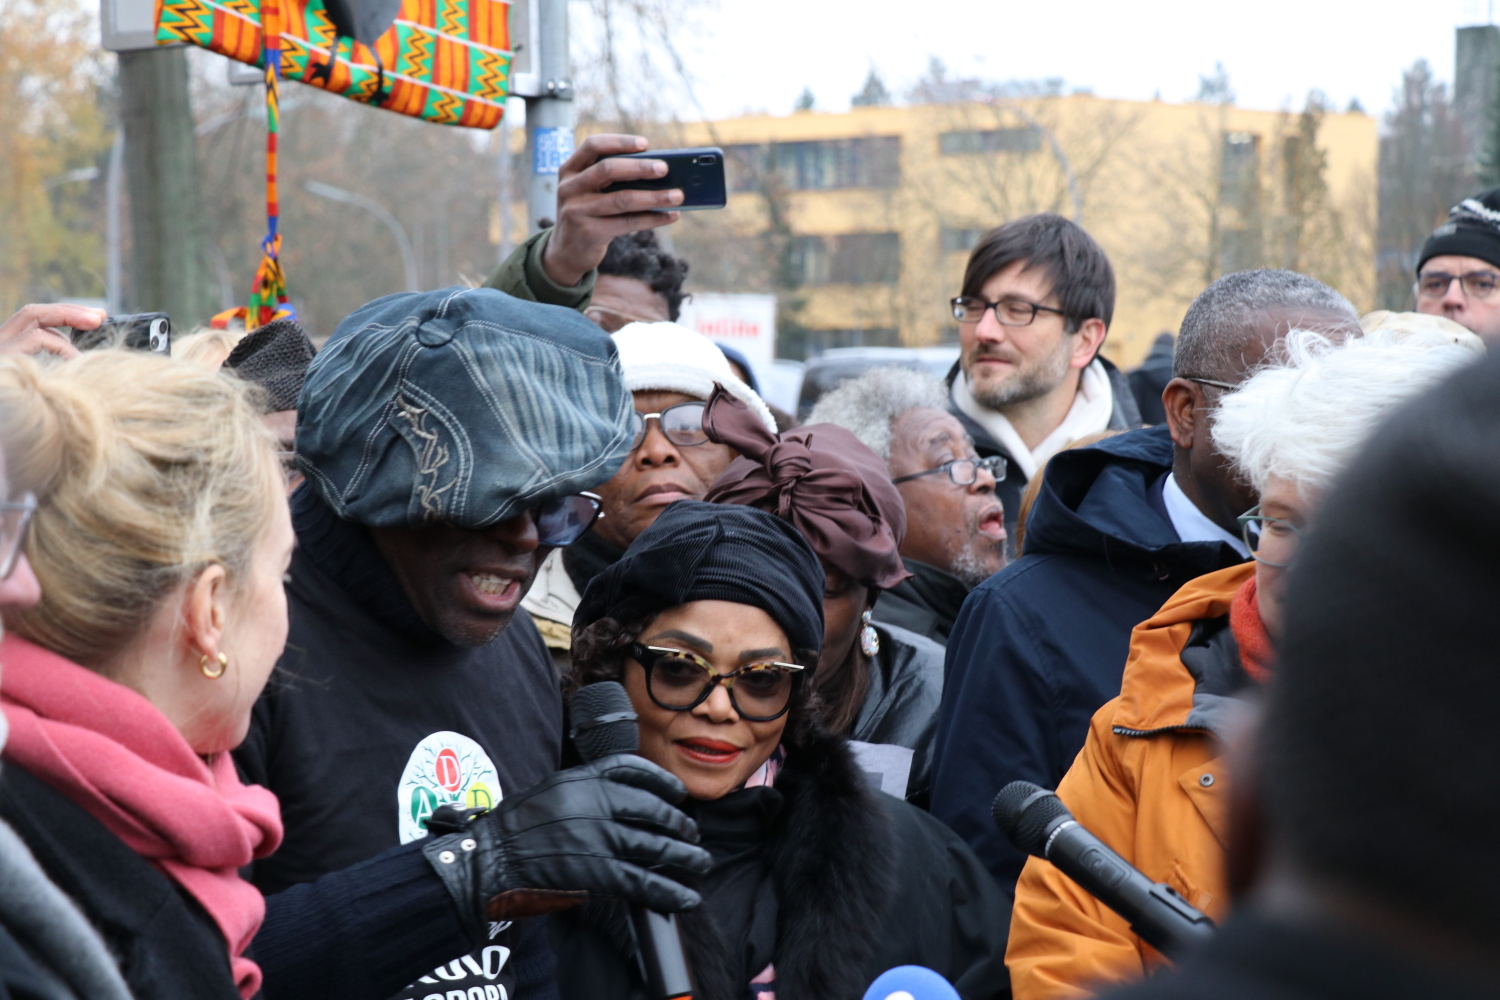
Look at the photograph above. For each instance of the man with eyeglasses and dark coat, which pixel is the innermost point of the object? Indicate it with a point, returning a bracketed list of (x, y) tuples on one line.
[(1459, 267), (1116, 529), (670, 372)]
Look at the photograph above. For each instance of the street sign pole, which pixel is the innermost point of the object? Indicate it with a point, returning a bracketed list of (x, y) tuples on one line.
[(546, 81)]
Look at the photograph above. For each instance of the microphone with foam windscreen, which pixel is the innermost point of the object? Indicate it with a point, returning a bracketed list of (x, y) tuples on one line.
[(604, 723), (1037, 822)]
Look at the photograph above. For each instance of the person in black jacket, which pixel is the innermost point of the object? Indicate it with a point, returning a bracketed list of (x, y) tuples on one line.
[(1361, 846), (1037, 298), (1117, 527), (1149, 380), (710, 621)]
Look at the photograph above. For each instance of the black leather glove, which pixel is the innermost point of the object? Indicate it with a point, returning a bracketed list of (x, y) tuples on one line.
[(604, 828)]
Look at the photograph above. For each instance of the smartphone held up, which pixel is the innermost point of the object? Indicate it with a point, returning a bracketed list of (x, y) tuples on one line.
[(697, 173), (139, 331)]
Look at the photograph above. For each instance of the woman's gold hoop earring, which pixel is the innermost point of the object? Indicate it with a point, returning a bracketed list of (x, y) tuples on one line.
[(213, 675)]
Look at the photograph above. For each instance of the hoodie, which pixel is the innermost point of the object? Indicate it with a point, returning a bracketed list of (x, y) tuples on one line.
[(1041, 645)]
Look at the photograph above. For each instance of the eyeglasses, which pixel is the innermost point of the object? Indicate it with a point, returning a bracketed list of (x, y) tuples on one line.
[(562, 521), (1227, 386), (15, 516), (1475, 284), (682, 424), (963, 471), (1272, 540), (612, 320), (1010, 312), (680, 681)]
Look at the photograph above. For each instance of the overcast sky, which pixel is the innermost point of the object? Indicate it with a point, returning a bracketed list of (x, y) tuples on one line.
[(757, 55)]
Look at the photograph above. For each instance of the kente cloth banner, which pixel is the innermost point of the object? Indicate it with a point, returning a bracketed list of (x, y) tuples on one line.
[(446, 61)]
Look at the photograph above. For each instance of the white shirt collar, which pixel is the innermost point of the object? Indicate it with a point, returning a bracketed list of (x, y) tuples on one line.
[(1191, 524)]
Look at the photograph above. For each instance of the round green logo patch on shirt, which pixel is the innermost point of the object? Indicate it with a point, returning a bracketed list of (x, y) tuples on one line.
[(445, 769)]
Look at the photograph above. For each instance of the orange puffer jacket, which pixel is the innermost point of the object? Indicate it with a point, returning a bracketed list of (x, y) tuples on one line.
[(1149, 782)]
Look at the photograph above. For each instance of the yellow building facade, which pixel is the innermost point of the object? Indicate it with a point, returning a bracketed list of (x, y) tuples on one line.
[(861, 222)]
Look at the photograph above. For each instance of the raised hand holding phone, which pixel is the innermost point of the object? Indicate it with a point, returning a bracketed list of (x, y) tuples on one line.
[(588, 217)]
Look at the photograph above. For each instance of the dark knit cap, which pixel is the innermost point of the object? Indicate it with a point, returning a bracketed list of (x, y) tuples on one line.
[(274, 357), (698, 551), (1472, 230), (1380, 748)]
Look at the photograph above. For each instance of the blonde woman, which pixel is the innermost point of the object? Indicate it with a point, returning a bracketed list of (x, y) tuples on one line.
[(160, 542)]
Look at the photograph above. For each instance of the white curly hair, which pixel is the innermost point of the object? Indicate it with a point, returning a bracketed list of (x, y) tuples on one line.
[(1304, 414)]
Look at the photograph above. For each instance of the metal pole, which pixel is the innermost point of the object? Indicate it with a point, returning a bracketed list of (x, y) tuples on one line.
[(375, 208), (114, 184), (505, 165), (549, 115)]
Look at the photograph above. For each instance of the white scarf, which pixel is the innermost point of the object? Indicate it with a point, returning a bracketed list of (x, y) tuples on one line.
[(1089, 414)]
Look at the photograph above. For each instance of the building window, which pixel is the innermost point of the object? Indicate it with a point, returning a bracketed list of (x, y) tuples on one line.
[(850, 259), (998, 140), (1239, 171), (823, 165), (959, 240)]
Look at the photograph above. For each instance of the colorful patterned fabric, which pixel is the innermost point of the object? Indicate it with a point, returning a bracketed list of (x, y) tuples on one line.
[(447, 61)]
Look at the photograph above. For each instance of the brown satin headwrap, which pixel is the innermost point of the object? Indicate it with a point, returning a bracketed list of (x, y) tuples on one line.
[(837, 492)]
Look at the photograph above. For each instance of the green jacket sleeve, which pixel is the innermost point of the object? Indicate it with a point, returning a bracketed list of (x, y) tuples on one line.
[(521, 275)]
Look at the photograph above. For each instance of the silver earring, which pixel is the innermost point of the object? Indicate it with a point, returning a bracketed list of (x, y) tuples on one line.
[(869, 639)]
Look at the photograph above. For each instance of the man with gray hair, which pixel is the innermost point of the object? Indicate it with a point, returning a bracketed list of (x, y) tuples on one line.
[(955, 535), (1117, 528)]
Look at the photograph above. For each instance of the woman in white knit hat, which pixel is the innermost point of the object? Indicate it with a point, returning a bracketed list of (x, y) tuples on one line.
[(672, 371)]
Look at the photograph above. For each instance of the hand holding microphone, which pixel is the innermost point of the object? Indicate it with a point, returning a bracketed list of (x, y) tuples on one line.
[(605, 727), (605, 828), (1037, 822)]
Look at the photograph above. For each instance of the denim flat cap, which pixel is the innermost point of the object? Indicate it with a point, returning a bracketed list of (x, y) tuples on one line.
[(460, 406)]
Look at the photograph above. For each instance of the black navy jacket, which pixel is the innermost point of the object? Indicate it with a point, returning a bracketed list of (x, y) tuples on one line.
[(1039, 646), (167, 944), (1257, 958)]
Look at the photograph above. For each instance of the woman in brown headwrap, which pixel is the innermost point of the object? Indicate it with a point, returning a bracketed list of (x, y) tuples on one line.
[(878, 684)]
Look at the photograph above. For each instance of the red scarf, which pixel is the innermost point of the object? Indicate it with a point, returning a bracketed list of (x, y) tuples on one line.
[(1256, 650), (111, 751)]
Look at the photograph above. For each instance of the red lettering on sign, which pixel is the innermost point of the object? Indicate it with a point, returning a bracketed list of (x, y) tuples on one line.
[(446, 770)]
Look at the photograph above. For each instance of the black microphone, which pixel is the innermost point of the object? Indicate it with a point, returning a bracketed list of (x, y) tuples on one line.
[(604, 723), (1037, 822)]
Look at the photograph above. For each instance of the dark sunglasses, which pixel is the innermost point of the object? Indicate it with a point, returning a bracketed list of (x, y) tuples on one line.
[(562, 521), (680, 681), (682, 424)]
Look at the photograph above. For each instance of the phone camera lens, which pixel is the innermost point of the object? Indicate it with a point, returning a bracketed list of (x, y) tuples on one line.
[(708, 161)]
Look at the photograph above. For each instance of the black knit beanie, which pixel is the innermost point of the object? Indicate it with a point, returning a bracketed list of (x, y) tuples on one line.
[(274, 357), (698, 551), (1472, 230)]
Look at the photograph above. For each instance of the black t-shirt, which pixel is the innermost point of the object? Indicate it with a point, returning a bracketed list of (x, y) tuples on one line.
[(371, 722)]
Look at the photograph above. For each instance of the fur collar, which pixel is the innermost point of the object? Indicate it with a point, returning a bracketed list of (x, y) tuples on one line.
[(833, 868)]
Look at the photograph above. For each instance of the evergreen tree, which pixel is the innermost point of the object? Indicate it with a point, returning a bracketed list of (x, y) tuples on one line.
[(873, 94), (804, 100)]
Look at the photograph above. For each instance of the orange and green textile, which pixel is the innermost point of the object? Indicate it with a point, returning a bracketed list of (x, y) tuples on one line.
[(446, 61)]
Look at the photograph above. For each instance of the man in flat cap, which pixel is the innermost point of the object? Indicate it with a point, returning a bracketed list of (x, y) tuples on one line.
[(449, 439), (1458, 271)]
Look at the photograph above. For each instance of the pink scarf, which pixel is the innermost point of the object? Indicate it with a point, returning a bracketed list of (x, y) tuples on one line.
[(111, 751)]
